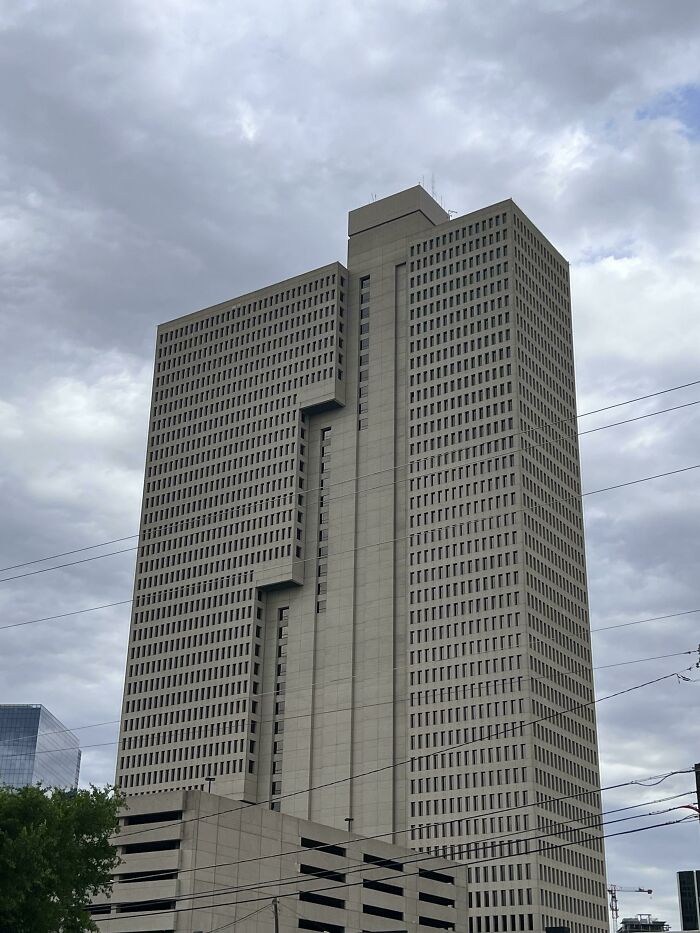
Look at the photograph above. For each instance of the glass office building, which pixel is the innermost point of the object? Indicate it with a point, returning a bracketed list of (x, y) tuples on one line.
[(36, 747)]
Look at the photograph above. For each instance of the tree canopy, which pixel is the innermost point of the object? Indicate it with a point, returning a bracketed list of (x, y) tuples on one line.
[(54, 855)]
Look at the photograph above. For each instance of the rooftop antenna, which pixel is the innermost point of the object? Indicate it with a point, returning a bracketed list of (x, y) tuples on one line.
[(432, 185)]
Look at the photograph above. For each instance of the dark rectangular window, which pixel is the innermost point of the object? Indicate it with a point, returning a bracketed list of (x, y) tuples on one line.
[(327, 873), (162, 874), (382, 862), (382, 886), (304, 924), (435, 876), (160, 845), (137, 906), (322, 899), (436, 924), (322, 846), (382, 912), (436, 899), (164, 816)]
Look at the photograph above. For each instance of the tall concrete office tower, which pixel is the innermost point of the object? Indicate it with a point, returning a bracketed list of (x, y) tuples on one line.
[(361, 573)]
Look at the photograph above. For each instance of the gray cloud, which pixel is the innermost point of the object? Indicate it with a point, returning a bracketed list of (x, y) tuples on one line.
[(160, 157)]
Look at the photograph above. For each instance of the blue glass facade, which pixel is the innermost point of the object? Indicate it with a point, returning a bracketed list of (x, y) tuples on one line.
[(36, 747)]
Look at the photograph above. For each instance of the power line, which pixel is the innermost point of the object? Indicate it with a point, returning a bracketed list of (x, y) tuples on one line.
[(650, 414), (633, 482), (658, 657), (71, 563), (406, 874), (639, 398), (329, 683), (378, 472), (232, 923), (356, 866), (393, 469), (481, 815), (460, 745), (447, 748), (65, 615), (673, 615), (78, 550), (125, 602), (582, 495)]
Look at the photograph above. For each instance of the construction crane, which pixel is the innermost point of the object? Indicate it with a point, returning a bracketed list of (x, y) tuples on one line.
[(612, 891)]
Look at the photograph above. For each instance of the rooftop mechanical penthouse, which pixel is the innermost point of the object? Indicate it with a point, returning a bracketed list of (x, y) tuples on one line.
[(361, 568)]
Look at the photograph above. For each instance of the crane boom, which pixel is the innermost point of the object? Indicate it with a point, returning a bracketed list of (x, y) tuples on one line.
[(613, 890)]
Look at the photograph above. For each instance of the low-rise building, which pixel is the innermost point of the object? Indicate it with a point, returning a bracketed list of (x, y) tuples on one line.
[(642, 923), (194, 861)]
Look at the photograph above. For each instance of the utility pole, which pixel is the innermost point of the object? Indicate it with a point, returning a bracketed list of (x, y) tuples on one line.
[(276, 913), (695, 807), (697, 789)]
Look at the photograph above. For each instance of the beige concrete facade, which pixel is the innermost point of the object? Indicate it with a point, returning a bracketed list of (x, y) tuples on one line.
[(193, 861), (362, 568)]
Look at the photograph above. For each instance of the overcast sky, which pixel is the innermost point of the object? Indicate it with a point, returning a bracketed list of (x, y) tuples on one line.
[(158, 156)]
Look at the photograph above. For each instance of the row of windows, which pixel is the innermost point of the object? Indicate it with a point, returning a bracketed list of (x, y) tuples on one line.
[(449, 262), (428, 424), (170, 659), (479, 712), (571, 881), (145, 702), (474, 757), (455, 610), (563, 659), (457, 233), (189, 752), (455, 439), (451, 737), (500, 923), (570, 560), (296, 317), (142, 631), (447, 650), (490, 561), (559, 635), (458, 534), (504, 897), (152, 781), (474, 261), (473, 625), (171, 737), (195, 605), (195, 676), (437, 332), (531, 328), (272, 296), (456, 401)]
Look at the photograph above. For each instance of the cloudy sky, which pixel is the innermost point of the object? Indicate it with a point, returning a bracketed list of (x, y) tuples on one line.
[(158, 156)]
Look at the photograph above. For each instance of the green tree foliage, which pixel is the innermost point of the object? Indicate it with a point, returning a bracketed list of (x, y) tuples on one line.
[(54, 854)]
